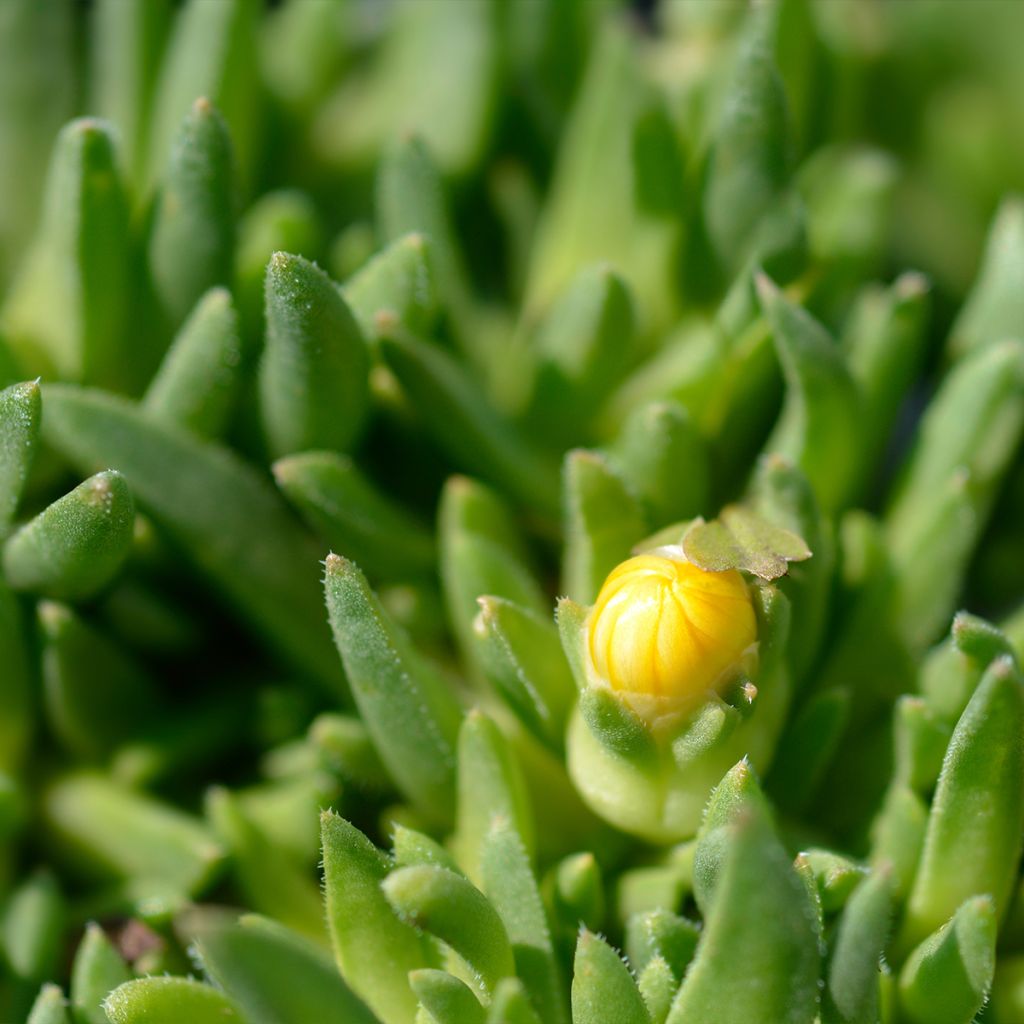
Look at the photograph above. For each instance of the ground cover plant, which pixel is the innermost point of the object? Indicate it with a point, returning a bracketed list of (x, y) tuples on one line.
[(510, 512)]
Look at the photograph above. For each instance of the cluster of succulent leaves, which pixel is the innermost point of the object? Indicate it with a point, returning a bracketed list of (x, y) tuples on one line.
[(481, 296)]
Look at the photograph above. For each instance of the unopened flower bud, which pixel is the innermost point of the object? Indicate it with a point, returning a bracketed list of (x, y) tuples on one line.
[(663, 632)]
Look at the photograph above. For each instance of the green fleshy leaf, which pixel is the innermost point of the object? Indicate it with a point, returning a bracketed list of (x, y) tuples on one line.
[(976, 822), (897, 836), (603, 989), (94, 695), (921, 738), (17, 682), (375, 950), (271, 880), (446, 999), (412, 848), (994, 309), (661, 935), (353, 517), (409, 709), (575, 893), (227, 519), (511, 886), (20, 413), (580, 350), (665, 460), (853, 973), (398, 282), (169, 1001), (817, 428), (603, 520), (211, 52), (197, 383), (65, 312), (739, 539), (191, 247), (314, 384), (521, 654), (482, 553), (450, 908), (31, 929), (965, 445), (285, 220), (947, 978), (511, 1004), (835, 875), (50, 1007), (75, 546), (345, 742), (274, 976), (464, 424), (109, 832), (658, 986), (490, 782), (97, 970), (769, 972)]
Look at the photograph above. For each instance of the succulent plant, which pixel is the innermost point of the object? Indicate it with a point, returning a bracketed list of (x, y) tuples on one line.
[(486, 491)]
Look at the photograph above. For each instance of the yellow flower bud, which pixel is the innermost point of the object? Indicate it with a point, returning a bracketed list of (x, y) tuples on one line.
[(664, 632)]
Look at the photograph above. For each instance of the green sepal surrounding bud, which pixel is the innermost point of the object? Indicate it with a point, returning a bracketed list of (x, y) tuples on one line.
[(994, 309), (65, 311), (510, 885), (603, 989), (447, 906), (852, 975), (616, 726), (521, 654), (947, 978), (285, 220), (353, 516), (75, 546), (410, 198), (95, 696), (658, 986), (884, 342), (817, 428), (603, 520), (375, 950), (33, 922), (490, 783), (975, 826), (482, 553), (314, 384), (198, 380), (511, 1004), (192, 239), (580, 349), (170, 1000), (807, 747), (661, 935), (211, 52), (97, 970), (965, 445), (50, 1007), (275, 976), (218, 509), (21, 410), (446, 999), (408, 708), (661, 454), (464, 424), (708, 727), (769, 972), (398, 282), (271, 880)]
